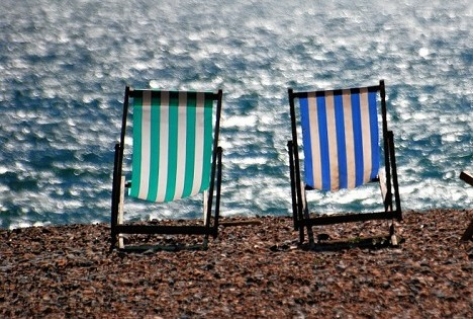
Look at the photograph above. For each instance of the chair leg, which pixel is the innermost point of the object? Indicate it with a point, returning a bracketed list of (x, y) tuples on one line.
[(116, 190), (394, 175), (293, 186), (218, 191), (393, 235), (309, 228), (205, 196), (120, 211), (113, 223)]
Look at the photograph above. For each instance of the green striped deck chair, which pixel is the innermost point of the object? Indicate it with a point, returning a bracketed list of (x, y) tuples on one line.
[(175, 155), (341, 145)]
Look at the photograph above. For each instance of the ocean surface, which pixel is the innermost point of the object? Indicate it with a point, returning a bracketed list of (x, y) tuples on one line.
[(64, 66)]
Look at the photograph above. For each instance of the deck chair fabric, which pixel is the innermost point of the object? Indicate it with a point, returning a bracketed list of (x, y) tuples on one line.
[(172, 145), (341, 130), (341, 148), (175, 155)]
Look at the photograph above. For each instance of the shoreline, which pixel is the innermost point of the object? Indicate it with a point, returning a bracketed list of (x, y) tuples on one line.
[(252, 270)]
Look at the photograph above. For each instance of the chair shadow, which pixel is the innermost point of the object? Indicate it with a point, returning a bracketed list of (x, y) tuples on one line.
[(164, 244), (151, 249), (371, 243)]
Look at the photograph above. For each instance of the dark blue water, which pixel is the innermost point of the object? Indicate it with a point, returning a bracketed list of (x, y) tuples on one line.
[(64, 66)]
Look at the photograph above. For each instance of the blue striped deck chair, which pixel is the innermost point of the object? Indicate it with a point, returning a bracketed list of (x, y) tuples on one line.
[(175, 155), (342, 150)]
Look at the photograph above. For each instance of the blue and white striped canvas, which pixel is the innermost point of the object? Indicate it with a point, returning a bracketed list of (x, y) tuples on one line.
[(340, 138)]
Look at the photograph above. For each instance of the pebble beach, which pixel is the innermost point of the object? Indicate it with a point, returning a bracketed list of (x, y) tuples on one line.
[(255, 268)]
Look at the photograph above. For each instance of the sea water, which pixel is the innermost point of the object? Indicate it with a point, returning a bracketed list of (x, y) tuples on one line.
[(64, 66)]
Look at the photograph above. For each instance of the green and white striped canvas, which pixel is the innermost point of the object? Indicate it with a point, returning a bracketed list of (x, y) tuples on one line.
[(172, 144)]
